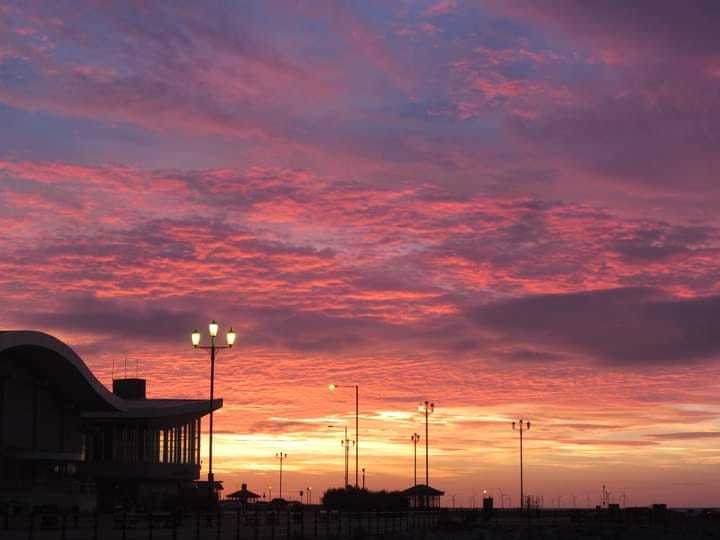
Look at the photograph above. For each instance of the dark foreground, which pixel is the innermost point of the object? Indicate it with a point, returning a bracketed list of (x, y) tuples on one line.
[(631, 524)]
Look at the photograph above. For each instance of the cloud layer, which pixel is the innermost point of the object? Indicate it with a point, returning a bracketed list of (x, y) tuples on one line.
[(509, 208)]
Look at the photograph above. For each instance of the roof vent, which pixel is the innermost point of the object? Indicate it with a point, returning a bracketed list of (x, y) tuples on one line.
[(129, 388)]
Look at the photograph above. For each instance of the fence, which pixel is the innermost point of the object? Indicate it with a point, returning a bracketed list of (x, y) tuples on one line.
[(221, 525)]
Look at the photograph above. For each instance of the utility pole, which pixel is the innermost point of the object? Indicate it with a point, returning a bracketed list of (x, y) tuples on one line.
[(521, 426)]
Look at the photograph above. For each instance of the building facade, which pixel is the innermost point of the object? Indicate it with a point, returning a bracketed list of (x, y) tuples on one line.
[(67, 441)]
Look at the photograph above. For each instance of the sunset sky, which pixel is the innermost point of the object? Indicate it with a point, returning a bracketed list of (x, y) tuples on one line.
[(507, 207)]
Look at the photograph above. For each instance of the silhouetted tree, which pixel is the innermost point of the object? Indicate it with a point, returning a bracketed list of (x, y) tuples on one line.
[(363, 499)]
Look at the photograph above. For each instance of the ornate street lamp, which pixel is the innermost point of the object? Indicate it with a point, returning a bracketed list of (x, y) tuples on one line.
[(230, 337)]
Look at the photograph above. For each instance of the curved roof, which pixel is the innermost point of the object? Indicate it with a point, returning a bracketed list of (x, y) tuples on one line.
[(48, 357)]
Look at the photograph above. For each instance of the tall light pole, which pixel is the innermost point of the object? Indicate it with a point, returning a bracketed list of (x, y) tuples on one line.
[(427, 408), (521, 426), (415, 437), (281, 456), (346, 446), (230, 337), (332, 387), (345, 443)]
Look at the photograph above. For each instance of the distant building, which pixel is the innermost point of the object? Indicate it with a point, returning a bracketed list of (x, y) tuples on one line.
[(422, 496), (66, 440)]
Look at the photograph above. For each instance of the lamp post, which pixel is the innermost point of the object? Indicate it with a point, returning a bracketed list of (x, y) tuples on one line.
[(363, 471), (427, 408), (521, 426), (281, 456), (346, 446), (345, 443), (269, 492), (309, 495), (332, 387), (230, 337), (415, 437)]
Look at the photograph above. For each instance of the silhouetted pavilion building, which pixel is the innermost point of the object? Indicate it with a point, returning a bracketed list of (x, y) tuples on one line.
[(66, 440), (422, 496), (244, 496)]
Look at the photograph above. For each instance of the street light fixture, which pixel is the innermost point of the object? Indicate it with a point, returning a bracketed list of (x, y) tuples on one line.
[(332, 387), (521, 426), (195, 338)]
